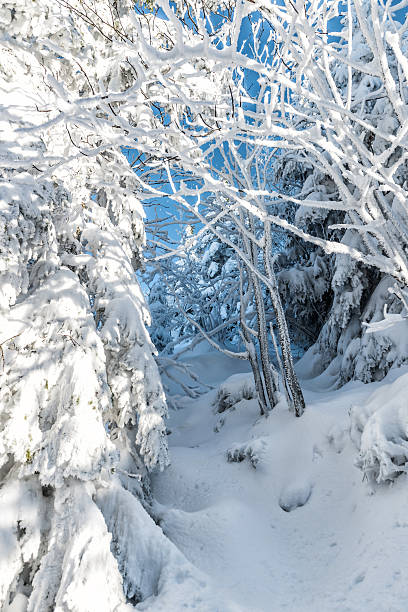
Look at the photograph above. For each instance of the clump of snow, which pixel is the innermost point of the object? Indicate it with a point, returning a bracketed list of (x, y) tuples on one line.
[(380, 429), (253, 451), (295, 495), (20, 530), (77, 571), (233, 390), (19, 604)]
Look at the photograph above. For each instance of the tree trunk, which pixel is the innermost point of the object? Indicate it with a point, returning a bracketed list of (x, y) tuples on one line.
[(267, 366), (298, 402), (252, 356)]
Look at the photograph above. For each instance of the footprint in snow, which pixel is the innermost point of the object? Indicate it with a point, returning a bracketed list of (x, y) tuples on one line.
[(359, 578)]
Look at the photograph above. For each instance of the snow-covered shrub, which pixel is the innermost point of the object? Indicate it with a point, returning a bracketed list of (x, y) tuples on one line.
[(380, 430), (202, 283), (252, 451), (161, 312), (305, 290), (233, 390)]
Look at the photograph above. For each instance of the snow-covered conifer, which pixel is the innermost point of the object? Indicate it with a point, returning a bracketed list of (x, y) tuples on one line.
[(81, 400)]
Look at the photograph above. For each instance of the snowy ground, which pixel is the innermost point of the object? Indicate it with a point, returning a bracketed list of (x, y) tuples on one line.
[(345, 548)]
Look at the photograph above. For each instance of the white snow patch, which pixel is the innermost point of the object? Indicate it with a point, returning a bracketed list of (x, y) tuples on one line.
[(340, 548)]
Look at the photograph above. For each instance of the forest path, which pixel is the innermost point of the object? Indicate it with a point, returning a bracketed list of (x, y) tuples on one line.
[(344, 549)]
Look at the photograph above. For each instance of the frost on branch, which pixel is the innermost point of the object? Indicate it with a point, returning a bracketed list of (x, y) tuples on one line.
[(351, 180)]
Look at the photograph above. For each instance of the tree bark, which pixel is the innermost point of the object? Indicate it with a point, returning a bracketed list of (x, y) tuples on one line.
[(298, 402)]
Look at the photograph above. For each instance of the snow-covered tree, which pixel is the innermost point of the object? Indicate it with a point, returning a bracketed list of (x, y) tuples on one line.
[(205, 280), (82, 405), (161, 313), (343, 292), (213, 125)]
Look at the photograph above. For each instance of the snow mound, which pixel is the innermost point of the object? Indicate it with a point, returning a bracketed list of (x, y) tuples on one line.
[(19, 604), (295, 495), (233, 390), (156, 575), (380, 430)]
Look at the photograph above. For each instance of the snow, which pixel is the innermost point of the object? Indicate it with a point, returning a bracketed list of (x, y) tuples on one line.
[(254, 513), (381, 429), (233, 390), (274, 510), (155, 572)]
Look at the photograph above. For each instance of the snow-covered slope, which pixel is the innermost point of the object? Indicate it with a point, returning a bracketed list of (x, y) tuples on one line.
[(274, 510)]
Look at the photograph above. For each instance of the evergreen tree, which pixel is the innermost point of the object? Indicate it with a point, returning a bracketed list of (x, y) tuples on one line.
[(161, 313), (82, 405)]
